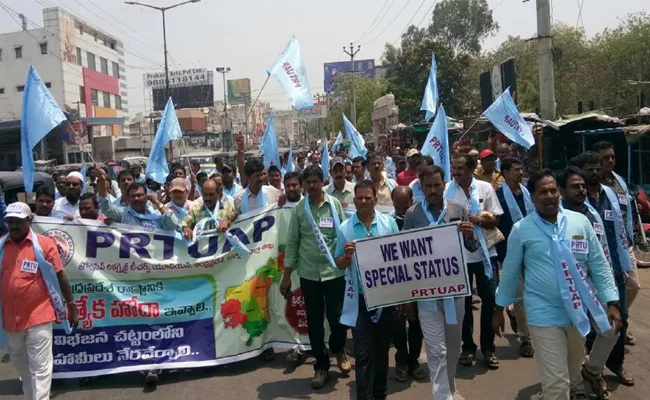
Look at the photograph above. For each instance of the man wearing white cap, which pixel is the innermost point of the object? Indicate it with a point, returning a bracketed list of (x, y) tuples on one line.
[(34, 292), (68, 206)]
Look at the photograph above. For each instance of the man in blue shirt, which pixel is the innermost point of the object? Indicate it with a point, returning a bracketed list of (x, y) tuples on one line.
[(555, 246), (371, 331)]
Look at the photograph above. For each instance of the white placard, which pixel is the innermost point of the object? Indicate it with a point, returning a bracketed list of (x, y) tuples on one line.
[(413, 265), (185, 77)]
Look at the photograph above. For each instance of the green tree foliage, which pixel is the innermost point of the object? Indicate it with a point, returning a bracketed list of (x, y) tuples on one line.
[(455, 33), (367, 91), (462, 24), (594, 69)]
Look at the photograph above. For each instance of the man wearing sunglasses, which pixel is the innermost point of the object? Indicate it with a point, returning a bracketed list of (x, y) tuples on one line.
[(68, 206)]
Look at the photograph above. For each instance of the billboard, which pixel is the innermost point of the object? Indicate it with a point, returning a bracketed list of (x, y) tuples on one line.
[(319, 110), (364, 68), (185, 97), (493, 83), (239, 91), (180, 78)]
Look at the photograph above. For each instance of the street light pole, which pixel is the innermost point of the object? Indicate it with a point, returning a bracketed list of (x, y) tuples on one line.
[(223, 71), (162, 10)]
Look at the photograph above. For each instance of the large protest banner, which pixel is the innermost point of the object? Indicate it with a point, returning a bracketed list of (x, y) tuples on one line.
[(148, 300), (417, 264)]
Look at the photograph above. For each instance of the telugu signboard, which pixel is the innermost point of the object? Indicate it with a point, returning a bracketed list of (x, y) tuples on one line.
[(413, 265), (319, 110), (239, 91), (158, 303), (180, 78), (332, 70)]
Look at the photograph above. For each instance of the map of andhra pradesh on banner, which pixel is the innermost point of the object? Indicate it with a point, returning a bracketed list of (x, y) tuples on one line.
[(148, 300), (413, 265)]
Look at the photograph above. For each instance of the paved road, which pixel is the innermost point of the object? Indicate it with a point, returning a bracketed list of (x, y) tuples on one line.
[(255, 379)]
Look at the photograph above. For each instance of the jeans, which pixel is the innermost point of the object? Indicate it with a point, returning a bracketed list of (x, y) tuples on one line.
[(324, 298), (408, 345), (486, 289), (371, 345)]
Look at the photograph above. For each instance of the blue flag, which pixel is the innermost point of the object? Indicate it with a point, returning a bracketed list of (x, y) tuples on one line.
[(337, 143), (40, 114), (325, 161), (505, 117), (430, 99), (289, 167), (436, 145), (168, 130), (357, 143), (269, 146), (290, 72)]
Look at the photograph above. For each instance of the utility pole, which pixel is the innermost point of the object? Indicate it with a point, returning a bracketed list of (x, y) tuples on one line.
[(545, 54), (352, 53), (162, 10)]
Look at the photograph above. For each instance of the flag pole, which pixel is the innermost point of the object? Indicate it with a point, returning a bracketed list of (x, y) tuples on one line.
[(258, 96), (470, 127)]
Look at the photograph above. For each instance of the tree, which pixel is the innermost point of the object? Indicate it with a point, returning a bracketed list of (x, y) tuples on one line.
[(367, 91), (407, 71), (462, 24)]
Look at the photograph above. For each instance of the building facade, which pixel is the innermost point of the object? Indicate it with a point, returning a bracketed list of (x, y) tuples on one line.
[(84, 69)]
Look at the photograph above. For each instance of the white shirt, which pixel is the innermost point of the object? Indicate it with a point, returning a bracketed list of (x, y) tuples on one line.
[(488, 201), (272, 196), (62, 208)]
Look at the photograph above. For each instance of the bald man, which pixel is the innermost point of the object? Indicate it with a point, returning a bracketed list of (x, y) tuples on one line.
[(402, 200), (68, 207)]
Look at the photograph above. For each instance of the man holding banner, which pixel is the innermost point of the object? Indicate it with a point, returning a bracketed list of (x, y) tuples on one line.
[(371, 331), (483, 210), (439, 319), (311, 241)]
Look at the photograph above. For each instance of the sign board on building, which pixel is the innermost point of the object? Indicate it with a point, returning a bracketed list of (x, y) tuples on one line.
[(319, 110), (239, 91), (180, 78), (184, 97), (333, 71), (492, 83)]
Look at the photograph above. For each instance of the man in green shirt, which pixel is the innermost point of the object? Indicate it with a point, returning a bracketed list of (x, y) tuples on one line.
[(339, 187), (310, 248)]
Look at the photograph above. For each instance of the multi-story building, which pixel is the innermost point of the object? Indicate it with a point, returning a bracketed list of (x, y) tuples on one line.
[(84, 68)]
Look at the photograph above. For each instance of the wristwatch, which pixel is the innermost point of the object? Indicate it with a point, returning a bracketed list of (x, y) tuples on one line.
[(614, 304)]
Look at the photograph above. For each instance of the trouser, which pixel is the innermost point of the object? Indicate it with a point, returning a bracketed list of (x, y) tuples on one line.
[(31, 354), (443, 348), (633, 284), (408, 344), (486, 288), (324, 297), (599, 356), (559, 353), (371, 345)]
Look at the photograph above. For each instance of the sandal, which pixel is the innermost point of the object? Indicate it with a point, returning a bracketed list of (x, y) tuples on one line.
[(491, 360), (629, 339), (526, 349), (466, 358), (625, 377), (597, 384)]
